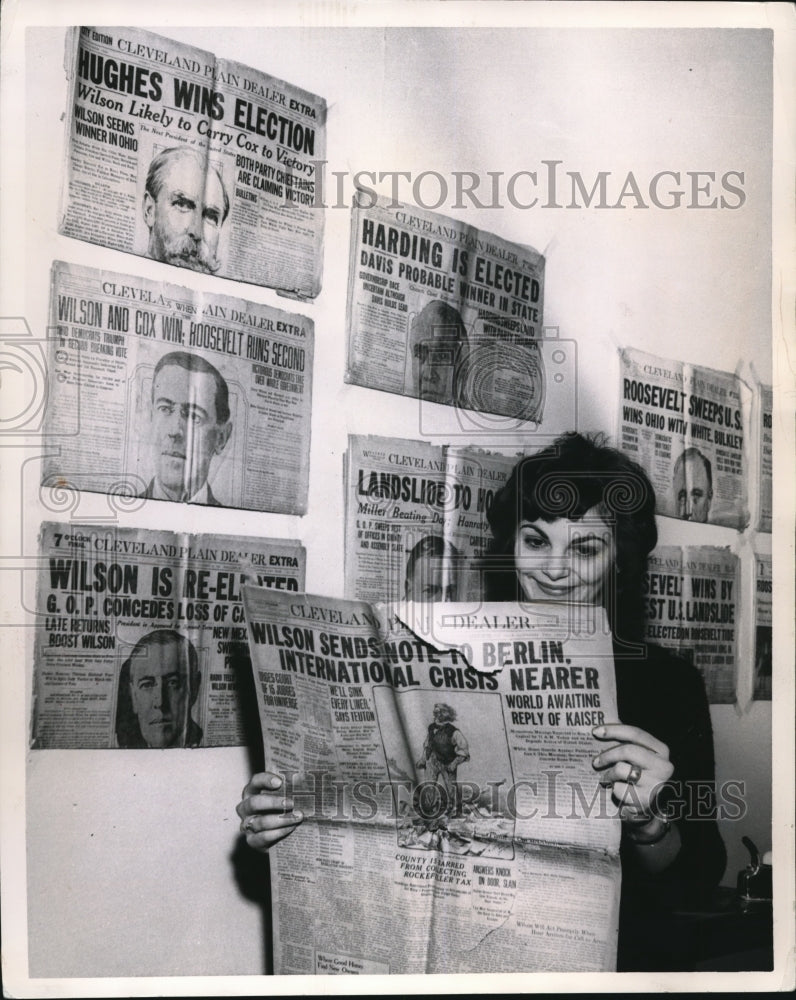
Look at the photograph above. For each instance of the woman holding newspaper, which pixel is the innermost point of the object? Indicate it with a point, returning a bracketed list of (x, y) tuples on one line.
[(575, 523)]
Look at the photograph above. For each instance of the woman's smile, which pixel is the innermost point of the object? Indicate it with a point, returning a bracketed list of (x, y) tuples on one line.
[(564, 559)]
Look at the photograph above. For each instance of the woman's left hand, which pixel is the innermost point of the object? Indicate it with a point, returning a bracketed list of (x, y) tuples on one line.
[(638, 755)]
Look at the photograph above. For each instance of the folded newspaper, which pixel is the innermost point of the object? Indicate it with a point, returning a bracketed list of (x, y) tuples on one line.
[(191, 160), (765, 451), (692, 597), (441, 755), (443, 311), (416, 517), (140, 636), (687, 427), (160, 392)]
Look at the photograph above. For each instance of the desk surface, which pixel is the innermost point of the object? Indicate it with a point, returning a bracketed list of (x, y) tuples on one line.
[(721, 935)]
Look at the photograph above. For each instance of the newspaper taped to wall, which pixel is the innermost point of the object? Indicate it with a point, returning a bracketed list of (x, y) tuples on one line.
[(191, 160), (686, 427), (442, 758), (693, 607), (442, 311), (159, 392), (765, 445), (141, 639), (761, 690), (416, 518)]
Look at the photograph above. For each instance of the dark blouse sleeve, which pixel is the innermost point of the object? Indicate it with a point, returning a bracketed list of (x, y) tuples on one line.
[(665, 695)]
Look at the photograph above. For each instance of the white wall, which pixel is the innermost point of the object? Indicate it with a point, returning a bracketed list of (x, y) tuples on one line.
[(129, 867)]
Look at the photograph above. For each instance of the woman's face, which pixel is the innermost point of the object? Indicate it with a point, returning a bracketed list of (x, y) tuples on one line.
[(565, 560)]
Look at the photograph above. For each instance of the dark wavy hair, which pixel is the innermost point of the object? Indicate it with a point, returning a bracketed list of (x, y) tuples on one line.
[(570, 477)]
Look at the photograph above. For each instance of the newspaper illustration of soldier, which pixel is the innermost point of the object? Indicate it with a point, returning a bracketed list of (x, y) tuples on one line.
[(451, 790), (444, 750)]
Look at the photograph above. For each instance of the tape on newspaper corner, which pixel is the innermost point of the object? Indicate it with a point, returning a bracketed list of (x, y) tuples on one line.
[(505, 379)]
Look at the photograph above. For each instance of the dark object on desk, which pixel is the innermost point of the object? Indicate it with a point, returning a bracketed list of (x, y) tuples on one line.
[(719, 930), (755, 883)]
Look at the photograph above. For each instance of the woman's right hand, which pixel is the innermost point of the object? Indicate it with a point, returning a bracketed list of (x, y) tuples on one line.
[(266, 814)]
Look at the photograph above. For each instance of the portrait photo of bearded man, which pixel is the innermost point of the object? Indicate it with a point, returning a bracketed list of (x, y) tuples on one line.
[(185, 206)]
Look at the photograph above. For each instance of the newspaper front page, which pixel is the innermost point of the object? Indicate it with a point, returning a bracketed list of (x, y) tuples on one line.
[(141, 639), (444, 312), (160, 392), (765, 445), (191, 160), (454, 822), (763, 624), (416, 518), (686, 427), (693, 605)]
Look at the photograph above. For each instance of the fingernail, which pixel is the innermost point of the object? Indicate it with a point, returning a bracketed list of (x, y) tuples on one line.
[(274, 782), (599, 731), (596, 761), (287, 803), (298, 814)]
